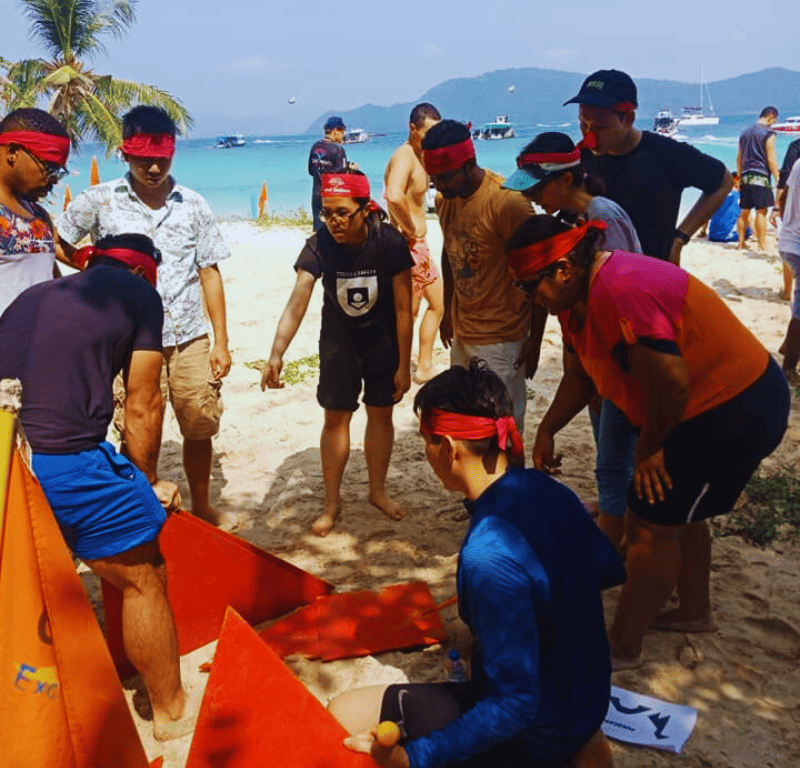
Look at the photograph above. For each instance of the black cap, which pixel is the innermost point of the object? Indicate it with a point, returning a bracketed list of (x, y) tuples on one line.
[(606, 88), (332, 123)]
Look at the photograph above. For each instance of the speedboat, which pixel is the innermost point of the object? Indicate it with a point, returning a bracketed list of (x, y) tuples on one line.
[(665, 123), (356, 136), (499, 129), (228, 142), (789, 125)]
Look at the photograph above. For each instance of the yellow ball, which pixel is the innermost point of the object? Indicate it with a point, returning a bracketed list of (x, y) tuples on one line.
[(388, 733)]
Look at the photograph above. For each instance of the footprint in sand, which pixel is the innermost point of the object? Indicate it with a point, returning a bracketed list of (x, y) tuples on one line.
[(776, 636)]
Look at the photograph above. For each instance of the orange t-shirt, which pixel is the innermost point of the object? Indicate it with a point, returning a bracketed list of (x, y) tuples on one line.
[(636, 298), (486, 307)]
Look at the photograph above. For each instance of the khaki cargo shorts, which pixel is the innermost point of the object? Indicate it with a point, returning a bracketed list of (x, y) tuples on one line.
[(188, 384)]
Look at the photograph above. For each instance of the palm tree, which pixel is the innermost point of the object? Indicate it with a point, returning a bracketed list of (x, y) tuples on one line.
[(88, 104)]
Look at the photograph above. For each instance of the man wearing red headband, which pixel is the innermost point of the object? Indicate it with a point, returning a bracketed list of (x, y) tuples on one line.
[(484, 315), (365, 340), (180, 222), (66, 340), (406, 183), (530, 573), (643, 172), (34, 148)]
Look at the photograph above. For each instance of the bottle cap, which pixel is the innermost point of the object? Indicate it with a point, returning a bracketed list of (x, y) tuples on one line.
[(453, 655)]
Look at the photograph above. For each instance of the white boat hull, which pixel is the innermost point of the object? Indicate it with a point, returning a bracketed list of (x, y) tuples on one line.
[(688, 122)]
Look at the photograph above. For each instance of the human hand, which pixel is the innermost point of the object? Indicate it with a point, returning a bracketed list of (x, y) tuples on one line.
[(167, 494), (773, 218), (271, 375), (446, 329), (542, 454), (402, 383), (650, 476), (366, 743), (220, 361)]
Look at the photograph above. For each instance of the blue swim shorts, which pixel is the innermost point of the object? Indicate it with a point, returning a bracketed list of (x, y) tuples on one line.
[(104, 504)]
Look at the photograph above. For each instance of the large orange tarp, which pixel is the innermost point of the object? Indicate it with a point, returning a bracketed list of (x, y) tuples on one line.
[(61, 703), (256, 713)]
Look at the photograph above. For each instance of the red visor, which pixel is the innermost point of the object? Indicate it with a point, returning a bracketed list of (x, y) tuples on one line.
[(84, 256), (46, 146), (345, 185), (537, 158), (527, 261), (149, 145), (446, 159), (462, 427)]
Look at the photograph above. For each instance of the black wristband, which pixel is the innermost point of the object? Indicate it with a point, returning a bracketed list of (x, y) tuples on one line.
[(682, 236)]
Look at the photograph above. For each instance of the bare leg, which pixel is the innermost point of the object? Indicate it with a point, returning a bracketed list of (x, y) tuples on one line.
[(790, 349), (654, 566), (428, 330), (761, 228), (741, 226), (694, 584), (148, 633), (358, 710), (334, 446), (378, 440), (788, 276), (613, 526)]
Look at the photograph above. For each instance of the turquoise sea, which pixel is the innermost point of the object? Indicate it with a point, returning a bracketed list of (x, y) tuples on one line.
[(230, 179)]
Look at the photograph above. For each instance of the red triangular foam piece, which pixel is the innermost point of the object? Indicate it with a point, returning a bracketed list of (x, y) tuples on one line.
[(207, 570), (256, 713), (61, 703), (296, 634)]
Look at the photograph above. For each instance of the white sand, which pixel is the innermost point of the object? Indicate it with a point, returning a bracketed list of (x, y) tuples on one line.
[(744, 678)]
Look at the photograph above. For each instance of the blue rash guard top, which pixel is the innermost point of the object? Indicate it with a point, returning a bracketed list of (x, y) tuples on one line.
[(530, 573)]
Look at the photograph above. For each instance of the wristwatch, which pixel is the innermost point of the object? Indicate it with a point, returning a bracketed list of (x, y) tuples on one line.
[(682, 236)]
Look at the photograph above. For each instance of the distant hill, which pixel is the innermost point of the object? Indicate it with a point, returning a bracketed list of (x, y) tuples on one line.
[(539, 93)]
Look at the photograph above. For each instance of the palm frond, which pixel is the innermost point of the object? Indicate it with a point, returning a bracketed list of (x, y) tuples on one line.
[(95, 119), (122, 94), (25, 83)]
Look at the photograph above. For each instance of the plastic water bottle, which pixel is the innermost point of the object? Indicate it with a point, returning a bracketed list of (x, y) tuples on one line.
[(456, 671)]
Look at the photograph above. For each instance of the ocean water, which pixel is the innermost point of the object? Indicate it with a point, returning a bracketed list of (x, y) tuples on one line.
[(230, 179)]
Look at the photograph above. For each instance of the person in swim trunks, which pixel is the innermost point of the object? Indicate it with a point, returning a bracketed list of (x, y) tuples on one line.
[(406, 184), (365, 338), (66, 340), (530, 574)]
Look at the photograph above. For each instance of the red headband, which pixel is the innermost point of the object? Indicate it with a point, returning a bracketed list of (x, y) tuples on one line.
[(344, 185), (149, 145), (46, 146), (462, 427), (624, 106), (537, 158), (446, 159), (84, 256), (533, 258)]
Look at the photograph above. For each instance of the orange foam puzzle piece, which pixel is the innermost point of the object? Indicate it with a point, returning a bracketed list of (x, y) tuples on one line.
[(256, 713), (207, 570), (296, 634), (61, 702)]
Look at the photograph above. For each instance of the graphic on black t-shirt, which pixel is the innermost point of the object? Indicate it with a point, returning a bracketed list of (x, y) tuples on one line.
[(357, 294)]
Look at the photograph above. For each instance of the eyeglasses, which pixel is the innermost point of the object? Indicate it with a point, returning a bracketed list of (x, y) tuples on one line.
[(529, 286), (339, 215), (52, 171)]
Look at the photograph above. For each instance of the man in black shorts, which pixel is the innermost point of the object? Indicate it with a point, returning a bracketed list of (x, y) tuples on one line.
[(756, 162), (643, 172), (326, 156)]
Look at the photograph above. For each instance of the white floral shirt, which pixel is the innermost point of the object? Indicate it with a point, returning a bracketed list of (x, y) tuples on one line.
[(184, 230)]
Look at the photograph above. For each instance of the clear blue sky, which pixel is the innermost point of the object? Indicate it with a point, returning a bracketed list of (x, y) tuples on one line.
[(241, 60)]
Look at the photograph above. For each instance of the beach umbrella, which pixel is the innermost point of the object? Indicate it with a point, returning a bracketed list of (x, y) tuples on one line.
[(263, 199), (67, 196), (94, 173)]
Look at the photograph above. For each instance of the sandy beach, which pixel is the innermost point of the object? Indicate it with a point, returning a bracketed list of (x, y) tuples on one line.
[(744, 679)]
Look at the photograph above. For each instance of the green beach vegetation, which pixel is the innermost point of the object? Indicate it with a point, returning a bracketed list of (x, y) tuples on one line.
[(293, 372), (297, 218), (87, 103)]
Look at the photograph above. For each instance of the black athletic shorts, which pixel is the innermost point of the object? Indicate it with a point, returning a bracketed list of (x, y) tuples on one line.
[(421, 708), (755, 196), (711, 457), (345, 363)]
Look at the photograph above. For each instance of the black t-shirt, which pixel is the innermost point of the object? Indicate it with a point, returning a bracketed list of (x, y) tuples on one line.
[(66, 340), (359, 297), (648, 182), (326, 156), (789, 159)]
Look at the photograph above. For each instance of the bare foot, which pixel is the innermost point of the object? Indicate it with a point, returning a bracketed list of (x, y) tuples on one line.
[(785, 296), (166, 728), (323, 525), (620, 660), (225, 521), (389, 508), (674, 621), (423, 374)]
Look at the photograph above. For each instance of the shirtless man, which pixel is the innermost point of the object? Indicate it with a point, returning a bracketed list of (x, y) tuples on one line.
[(406, 185)]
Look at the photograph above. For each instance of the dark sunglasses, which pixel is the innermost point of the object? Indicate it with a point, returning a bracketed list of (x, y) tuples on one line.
[(52, 171)]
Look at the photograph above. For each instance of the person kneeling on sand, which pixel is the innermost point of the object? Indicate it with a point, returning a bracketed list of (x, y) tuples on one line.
[(365, 266), (66, 340), (709, 400), (530, 573)]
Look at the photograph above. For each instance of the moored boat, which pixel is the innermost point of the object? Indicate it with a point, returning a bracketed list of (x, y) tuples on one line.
[(789, 125)]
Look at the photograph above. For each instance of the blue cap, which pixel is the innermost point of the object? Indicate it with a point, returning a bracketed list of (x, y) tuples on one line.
[(332, 123), (520, 180)]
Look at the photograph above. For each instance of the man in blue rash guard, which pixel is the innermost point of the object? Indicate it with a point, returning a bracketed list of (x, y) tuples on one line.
[(530, 573)]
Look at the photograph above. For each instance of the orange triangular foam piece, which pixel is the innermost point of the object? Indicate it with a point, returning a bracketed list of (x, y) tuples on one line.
[(61, 703), (359, 624), (207, 570), (256, 713)]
